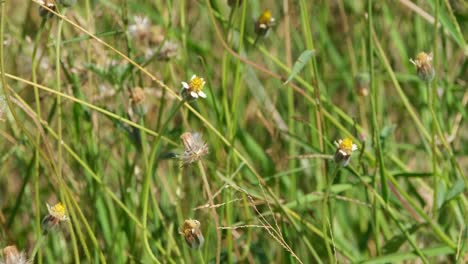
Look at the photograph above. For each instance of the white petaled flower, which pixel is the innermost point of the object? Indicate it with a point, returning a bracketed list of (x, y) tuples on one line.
[(57, 214), (194, 88), (345, 147), (194, 148)]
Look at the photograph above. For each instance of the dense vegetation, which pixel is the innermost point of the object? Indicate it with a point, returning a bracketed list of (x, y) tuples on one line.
[(224, 131)]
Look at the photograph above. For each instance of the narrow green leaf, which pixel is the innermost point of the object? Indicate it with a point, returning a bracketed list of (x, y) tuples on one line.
[(300, 63), (457, 188)]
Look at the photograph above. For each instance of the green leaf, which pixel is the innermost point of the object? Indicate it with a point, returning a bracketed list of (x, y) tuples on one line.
[(442, 189), (395, 242), (450, 24), (300, 63), (455, 190)]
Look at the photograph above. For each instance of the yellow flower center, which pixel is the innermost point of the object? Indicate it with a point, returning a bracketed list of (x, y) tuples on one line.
[(265, 18), (196, 84), (58, 210), (346, 145)]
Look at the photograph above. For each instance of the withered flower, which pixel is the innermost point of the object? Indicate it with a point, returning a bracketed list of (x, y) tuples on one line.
[(44, 13), (192, 233), (194, 148), (423, 63), (12, 256), (137, 95)]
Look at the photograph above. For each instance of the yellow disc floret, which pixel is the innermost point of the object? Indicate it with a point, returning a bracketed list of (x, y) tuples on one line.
[(265, 17), (346, 145), (196, 84), (58, 211)]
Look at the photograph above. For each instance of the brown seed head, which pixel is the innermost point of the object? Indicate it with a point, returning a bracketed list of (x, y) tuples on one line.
[(194, 148), (192, 233), (423, 63), (137, 95), (12, 256)]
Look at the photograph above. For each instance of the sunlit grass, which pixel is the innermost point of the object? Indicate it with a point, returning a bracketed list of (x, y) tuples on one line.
[(234, 131)]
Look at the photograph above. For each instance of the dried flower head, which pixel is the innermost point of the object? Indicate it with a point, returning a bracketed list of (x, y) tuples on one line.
[(192, 233), (12, 256), (193, 89), (140, 29), (345, 147), (168, 50), (423, 63), (57, 213), (362, 84), (137, 95), (264, 22), (44, 13), (194, 148), (234, 3)]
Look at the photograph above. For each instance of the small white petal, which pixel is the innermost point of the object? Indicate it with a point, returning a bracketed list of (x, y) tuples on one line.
[(343, 152), (194, 94), (202, 94), (263, 26), (354, 147), (193, 77), (185, 85)]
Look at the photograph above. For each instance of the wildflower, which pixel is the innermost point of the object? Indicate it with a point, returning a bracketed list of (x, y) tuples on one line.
[(423, 63), (192, 233), (344, 150), (193, 89), (137, 95), (264, 22), (362, 84), (141, 29), (195, 148), (44, 13), (57, 213), (234, 3)]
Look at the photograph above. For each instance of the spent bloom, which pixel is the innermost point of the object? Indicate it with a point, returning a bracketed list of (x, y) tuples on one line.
[(12, 256), (423, 63), (264, 22), (345, 147), (192, 233), (141, 28), (57, 213), (194, 148), (193, 89), (44, 13)]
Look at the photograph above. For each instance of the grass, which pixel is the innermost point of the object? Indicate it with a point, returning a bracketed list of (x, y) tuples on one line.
[(92, 115)]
